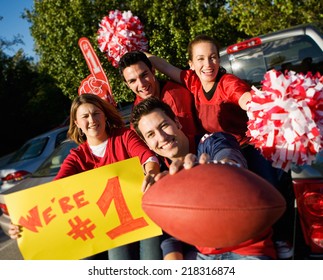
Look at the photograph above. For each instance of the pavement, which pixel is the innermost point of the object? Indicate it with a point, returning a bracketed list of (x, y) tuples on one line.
[(8, 248)]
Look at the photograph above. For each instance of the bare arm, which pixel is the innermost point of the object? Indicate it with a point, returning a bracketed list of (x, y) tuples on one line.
[(165, 67), (152, 168), (244, 99)]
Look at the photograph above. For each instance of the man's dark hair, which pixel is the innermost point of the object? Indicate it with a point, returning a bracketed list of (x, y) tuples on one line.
[(145, 107), (131, 58)]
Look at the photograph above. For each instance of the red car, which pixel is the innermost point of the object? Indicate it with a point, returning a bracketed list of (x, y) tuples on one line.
[(299, 49), (308, 190)]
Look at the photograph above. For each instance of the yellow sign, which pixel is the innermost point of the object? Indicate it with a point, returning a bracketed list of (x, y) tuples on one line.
[(83, 214)]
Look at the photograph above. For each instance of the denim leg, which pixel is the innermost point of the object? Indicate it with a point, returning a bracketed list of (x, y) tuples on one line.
[(150, 249), (120, 253), (233, 256), (230, 256)]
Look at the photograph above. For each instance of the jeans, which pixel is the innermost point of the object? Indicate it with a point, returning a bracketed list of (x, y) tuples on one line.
[(230, 256), (147, 249)]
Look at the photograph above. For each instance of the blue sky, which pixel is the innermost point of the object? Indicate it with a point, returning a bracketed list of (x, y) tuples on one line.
[(12, 24)]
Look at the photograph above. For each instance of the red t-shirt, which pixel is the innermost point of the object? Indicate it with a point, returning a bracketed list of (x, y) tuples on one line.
[(260, 246), (124, 143), (182, 103), (222, 112)]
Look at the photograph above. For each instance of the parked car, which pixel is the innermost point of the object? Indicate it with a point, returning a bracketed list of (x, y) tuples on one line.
[(30, 156), (308, 189), (45, 173), (4, 160), (299, 49), (125, 110)]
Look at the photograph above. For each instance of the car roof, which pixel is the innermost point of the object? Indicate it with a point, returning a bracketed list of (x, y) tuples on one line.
[(48, 133), (311, 28)]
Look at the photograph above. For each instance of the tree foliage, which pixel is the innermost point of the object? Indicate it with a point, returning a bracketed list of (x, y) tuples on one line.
[(263, 16), (169, 26), (30, 103)]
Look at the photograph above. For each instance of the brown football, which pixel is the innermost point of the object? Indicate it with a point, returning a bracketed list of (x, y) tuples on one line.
[(213, 205)]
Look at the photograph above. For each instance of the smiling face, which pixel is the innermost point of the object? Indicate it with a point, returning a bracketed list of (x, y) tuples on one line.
[(205, 62), (163, 135), (92, 121), (141, 80)]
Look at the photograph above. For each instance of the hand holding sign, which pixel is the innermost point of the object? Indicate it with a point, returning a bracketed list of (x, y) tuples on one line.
[(97, 82), (83, 214)]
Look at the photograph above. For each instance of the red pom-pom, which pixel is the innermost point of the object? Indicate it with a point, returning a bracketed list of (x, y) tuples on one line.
[(285, 118), (120, 33)]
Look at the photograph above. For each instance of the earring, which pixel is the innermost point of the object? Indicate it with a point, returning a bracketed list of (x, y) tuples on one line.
[(179, 125), (107, 125), (80, 132)]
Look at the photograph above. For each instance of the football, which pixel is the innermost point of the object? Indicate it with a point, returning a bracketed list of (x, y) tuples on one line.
[(213, 205)]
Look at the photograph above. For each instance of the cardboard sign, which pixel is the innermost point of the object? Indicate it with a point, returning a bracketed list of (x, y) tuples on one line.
[(83, 214)]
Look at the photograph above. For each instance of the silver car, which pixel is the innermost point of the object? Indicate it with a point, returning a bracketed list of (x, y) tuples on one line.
[(30, 156), (44, 174)]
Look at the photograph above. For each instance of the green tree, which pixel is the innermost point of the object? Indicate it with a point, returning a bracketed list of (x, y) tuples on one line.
[(57, 26), (169, 26), (262, 16), (30, 103)]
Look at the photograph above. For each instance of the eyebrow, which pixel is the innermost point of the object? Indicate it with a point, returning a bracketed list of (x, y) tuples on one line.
[(92, 112), (202, 54), (159, 126), (145, 72)]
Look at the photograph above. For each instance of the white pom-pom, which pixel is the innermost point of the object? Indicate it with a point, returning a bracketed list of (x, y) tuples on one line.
[(285, 118), (120, 33)]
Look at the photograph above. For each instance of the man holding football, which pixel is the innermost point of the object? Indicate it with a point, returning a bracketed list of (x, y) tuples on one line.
[(157, 125)]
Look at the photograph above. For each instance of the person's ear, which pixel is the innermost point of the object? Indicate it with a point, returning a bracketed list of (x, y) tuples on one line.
[(126, 83), (190, 63), (76, 123), (153, 71), (178, 124)]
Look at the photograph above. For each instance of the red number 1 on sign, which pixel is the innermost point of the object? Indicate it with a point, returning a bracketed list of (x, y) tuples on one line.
[(111, 192)]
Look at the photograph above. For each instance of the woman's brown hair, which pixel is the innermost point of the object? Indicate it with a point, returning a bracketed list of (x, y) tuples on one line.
[(114, 119)]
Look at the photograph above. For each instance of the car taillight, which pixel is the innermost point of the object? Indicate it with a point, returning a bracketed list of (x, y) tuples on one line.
[(4, 208), (317, 235), (244, 45), (309, 197), (313, 203), (16, 176)]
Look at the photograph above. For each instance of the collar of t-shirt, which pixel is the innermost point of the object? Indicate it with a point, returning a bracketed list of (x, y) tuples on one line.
[(210, 93), (99, 150)]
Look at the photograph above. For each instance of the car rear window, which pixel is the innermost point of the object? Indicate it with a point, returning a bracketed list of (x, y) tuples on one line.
[(30, 150), (52, 164), (60, 138), (298, 53)]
